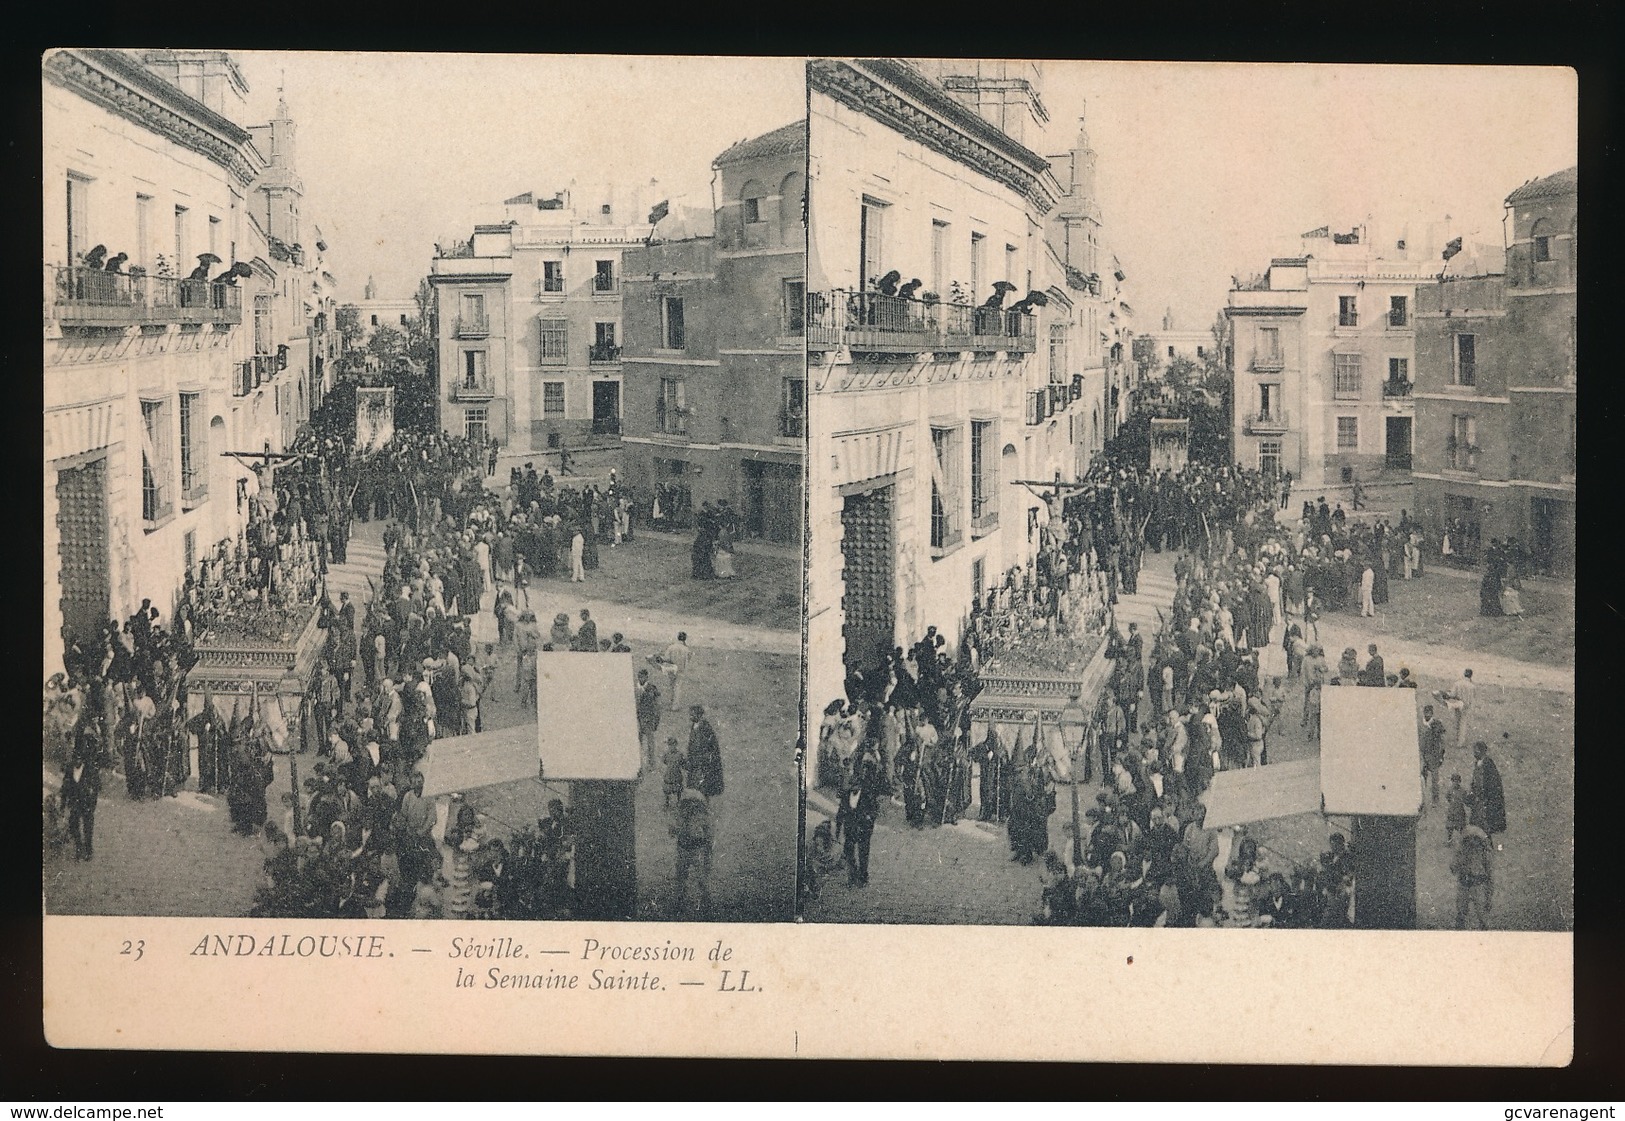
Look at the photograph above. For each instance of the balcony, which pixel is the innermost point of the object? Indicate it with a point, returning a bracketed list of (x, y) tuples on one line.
[(603, 354), (869, 321), (1393, 389), (1268, 364), (472, 327), (93, 298), (792, 423), (604, 285), (671, 421), (1271, 423), (480, 388), (1399, 321), (242, 379)]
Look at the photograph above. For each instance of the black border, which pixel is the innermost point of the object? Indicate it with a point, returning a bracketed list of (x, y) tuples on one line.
[(1581, 35)]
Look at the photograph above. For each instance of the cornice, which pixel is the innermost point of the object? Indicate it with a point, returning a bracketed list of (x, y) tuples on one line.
[(101, 78), (944, 130)]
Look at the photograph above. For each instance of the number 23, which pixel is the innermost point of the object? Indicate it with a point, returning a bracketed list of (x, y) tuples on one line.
[(133, 948)]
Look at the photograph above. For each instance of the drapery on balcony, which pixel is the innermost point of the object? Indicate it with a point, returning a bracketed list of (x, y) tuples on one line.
[(603, 354), (1264, 423), (472, 326), (875, 322), (93, 298)]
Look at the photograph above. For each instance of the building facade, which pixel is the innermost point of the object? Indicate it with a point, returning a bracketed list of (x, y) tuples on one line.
[(716, 400), (1497, 371), (928, 411), (1323, 350), (150, 375), (529, 321)]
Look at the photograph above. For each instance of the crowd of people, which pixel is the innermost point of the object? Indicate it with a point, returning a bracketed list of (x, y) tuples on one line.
[(1204, 695)]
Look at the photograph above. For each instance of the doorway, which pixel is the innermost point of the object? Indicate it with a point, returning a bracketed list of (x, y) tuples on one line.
[(84, 576), (1551, 534), (1397, 447), (773, 500), (606, 408), (868, 598)]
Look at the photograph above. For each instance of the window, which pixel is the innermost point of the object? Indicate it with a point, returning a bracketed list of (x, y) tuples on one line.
[(1348, 433), (214, 235), (603, 276), (1345, 375), (871, 234), (552, 398), (476, 426), (474, 369), (403, 319), (984, 477), (1399, 311), (555, 335), (78, 217), (194, 449), (143, 231), (1543, 248), (1464, 367), (946, 531), (1463, 443), (1399, 370), (795, 306), (262, 324), (155, 494), (603, 343), (671, 322), (1201, 352), (939, 258), (1269, 347), (978, 266), (473, 311), (1170, 352), (1269, 401), (374, 319), (1011, 263), (552, 276), (189, 551), (793, 409), (671, 409), (1057, 353), (180, 241), (1348, 314), (753, 211)]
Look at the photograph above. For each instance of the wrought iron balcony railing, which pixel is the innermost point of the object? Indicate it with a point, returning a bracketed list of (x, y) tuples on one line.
[(86, 297), (1397, 388), (603, 354), (480, 388), (472, 326), (1268, 421), (875, 322)]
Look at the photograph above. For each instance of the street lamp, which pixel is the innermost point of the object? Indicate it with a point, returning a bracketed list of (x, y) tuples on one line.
[(1074, 727)]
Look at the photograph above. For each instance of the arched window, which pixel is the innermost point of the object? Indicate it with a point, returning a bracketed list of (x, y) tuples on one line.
[(752, 203), (792, 200), (1540, 248)]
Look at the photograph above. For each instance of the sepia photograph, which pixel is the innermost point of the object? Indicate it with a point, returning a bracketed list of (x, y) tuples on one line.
[(379, 388), (1191, 495)]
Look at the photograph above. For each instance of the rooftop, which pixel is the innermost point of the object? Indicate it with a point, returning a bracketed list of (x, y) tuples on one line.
[(780, 142), (1564, 182)]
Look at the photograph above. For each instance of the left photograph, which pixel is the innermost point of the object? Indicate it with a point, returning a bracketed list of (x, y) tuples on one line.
[(423, 460)]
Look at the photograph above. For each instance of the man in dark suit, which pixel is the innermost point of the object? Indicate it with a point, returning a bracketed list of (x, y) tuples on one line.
[(1374, 673), (648, 706), (81, 787)]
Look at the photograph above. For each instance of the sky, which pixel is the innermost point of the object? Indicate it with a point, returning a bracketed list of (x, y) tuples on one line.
[(399, 151), (1208, 170)]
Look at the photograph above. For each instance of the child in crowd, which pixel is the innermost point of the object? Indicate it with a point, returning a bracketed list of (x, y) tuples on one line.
[(674, 761), (1455, 814)]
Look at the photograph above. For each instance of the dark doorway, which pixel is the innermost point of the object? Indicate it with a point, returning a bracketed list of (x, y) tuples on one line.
[(1551, 536), (868, 598), (606, 408), (773, 500), (1398, 446), (1461, 523), (81, 522)]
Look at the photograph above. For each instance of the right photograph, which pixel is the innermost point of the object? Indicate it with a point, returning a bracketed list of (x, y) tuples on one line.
[(1190, 495)]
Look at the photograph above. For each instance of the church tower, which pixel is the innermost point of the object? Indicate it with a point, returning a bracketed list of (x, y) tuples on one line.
[(280, 189)]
